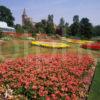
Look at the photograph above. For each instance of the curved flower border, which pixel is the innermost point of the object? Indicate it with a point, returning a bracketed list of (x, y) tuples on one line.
[(50, 44), (79, 41)]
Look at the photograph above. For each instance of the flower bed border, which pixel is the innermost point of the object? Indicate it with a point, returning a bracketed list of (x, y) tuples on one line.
[(47, 45)]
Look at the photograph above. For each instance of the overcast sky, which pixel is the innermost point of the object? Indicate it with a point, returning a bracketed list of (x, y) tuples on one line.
[(39, 9)]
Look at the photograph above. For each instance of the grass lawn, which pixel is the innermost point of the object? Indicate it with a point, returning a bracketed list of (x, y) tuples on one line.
[(95, 87), (19, 48)]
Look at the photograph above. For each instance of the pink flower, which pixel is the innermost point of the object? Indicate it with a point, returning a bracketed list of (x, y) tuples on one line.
[(67, 98), (48, 98), (34, 87)]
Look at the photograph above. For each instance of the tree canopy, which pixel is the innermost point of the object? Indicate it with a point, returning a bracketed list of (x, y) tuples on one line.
[(81, 28), (75, 27), (6, 15), (96, 30), (86, 28)]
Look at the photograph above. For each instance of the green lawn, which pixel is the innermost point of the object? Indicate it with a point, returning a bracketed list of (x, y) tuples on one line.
[(95, 87)]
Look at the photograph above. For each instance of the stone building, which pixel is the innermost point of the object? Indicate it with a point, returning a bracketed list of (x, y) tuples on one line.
[(26, 18)]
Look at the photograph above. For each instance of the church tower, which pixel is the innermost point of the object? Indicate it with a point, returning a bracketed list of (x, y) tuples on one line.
[(24, 17)]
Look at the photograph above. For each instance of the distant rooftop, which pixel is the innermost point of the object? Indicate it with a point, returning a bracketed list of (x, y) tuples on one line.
[(4, 25)]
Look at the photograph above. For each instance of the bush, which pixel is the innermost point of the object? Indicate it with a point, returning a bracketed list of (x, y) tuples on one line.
[(1, 33), (7, 38), (28, 38)]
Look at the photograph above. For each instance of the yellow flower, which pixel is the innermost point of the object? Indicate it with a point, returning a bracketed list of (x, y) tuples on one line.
[(50, 44), (78, 41)]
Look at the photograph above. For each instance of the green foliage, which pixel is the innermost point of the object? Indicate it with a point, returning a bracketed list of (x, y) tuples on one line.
[(27, 92), (95, 87), (20, 90), (28, 38), (19, 28), (40, 27), (28, 27), (45, 26), (76, 19), (1, 33), (6, 15), (67, 29), (6, 38), (50, 29), (96, 30), (62, 22), (75, 27), (33, 33), (63, 28), (81, 29), (86, 28), (50, 25)]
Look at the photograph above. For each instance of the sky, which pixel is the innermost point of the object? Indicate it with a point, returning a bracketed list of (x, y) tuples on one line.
[(39, 9)]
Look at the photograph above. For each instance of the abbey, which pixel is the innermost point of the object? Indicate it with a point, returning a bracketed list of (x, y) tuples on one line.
[(26, 19)]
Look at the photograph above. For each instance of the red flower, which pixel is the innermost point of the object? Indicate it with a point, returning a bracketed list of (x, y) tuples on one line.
[(54, 75)]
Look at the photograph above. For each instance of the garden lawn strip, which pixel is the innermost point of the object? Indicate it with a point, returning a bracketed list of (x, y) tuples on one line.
[(95, 87)]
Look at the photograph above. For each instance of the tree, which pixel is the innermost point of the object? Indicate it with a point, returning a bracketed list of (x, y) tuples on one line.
[(44, 25), (1, 33), (67, 29), (96, 30), (86, 28), (19, 28), (50, 25), (6, 15), (61, 27), (62, 22), (28, 27), (75, 27), (76, 19), (39, 28)]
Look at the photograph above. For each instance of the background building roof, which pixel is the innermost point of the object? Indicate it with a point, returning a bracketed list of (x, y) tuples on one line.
[(4, 25)]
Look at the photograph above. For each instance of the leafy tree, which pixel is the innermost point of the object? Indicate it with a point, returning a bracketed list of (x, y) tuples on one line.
[(75, 26), (61, 27), (1, 33), (59, 31), (86, 28), (76, 19), (28, 27), (19, 28), (39, 27), (96, 30), (62, 22), (50, 25), (67, 29), (6, 15), (44, 23)]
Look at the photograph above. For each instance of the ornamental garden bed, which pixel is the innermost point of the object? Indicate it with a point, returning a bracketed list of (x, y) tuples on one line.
[(94, 46), (48, 77), (50, 44), (77, 41)]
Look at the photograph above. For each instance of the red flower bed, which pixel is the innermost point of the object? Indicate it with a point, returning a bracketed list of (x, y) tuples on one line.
[(52, 76), (18, 35), (94, 46)]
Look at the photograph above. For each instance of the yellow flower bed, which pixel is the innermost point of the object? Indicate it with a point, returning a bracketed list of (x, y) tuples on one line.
[(50, 44), (79, 41)]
